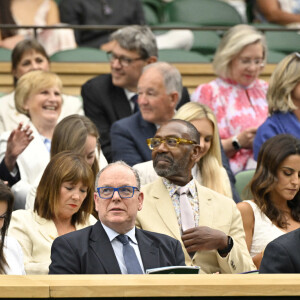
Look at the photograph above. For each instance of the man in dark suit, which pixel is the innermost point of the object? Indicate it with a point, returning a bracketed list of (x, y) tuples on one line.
[(159, 90), (282, 254), (108, 98), (100, 249)]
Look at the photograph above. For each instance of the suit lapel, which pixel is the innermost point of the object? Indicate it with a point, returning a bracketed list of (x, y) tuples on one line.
[(149, 253), (102, 247), (165, 208), (46, 228), (120, 103)]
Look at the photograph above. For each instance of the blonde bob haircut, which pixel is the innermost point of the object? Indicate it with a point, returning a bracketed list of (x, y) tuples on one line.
[(65, 166), (210, 166), (30, 84), (283, 81), (71, 134), (232, 43)]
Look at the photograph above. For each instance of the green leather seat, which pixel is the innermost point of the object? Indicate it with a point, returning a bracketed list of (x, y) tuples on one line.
[(202, 12), (242, 179), (5, 54), (282, 41), (80, 54), (181, 56)]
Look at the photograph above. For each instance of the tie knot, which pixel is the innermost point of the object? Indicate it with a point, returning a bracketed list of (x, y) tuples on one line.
[(134, 98), (123, 239), (183, 190)]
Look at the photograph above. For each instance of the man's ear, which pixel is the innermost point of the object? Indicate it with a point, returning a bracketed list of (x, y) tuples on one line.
[(196, 153), (174, 98), (141, 200), (96, 201), (151, 59)]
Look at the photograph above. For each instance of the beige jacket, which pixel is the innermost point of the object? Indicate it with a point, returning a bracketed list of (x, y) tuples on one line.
[(36, 235), (216, 211)]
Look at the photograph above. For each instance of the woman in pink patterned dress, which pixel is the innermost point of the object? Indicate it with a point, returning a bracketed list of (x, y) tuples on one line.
[(237, 96)]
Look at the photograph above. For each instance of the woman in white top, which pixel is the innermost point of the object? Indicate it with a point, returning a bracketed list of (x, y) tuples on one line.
[(11, 256), (275, 208), (64, 203), (209, 170), (79, 135)]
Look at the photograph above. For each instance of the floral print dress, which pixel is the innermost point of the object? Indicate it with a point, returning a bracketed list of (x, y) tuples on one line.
[(236, 108)]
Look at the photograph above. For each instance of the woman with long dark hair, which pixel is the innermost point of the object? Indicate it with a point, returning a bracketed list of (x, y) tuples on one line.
[(275, 208)]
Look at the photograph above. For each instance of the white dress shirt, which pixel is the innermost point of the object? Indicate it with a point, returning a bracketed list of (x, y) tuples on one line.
[(118, 247)]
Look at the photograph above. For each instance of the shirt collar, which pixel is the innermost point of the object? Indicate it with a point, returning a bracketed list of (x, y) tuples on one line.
[(129, 94), (172, 188), (113, 234)]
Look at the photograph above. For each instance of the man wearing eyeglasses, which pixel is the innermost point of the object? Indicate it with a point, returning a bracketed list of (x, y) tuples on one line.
[(207, 224), (114, 245), (111, 97)]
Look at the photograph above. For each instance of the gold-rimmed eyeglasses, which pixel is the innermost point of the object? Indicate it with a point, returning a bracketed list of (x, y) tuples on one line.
[(169, 141)]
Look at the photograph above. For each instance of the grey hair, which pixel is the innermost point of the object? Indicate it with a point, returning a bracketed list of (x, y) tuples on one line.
[(171, 75), (136, 38), (232, 43), (119, 163)]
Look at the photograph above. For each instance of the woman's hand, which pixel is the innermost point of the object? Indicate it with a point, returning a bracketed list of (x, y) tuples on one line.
[(17, 142), (246, 137)]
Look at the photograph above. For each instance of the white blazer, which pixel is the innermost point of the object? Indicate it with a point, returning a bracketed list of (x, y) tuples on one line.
[(36, 235), (31, 162)]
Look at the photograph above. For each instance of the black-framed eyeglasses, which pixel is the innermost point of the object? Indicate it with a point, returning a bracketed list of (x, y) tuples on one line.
[(107, 192), (170, 142), (123, 60)]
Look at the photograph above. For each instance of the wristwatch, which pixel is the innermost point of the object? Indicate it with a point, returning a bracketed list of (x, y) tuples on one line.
[(228, 248), (235, 143)]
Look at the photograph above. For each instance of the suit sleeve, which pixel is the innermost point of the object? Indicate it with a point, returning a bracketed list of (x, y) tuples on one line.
[(21, 230), (6, 175), (63, 259), (96, 112), (179, 255), (276, 260), (238, 260), (123, 146)]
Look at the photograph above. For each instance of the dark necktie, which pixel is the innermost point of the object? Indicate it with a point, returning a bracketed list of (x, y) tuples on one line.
[(134, 100), (132, 264)]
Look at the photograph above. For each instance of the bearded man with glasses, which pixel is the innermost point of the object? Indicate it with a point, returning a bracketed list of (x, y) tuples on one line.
[(208, 224), (114, 245)]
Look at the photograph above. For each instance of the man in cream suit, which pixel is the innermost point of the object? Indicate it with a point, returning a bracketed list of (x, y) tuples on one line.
[(215, 240)]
